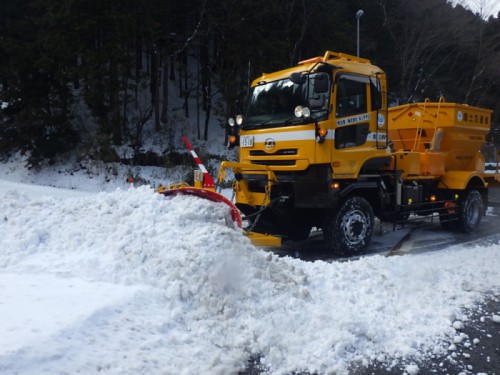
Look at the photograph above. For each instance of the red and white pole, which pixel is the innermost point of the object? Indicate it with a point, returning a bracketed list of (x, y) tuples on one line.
[(208, 181)]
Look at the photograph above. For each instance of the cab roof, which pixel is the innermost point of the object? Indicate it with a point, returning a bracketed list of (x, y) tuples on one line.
[(340, 61)]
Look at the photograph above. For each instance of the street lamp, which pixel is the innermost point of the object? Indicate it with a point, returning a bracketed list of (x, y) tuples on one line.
[(359, 14)]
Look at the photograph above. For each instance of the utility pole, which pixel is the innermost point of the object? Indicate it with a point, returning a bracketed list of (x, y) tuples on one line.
[(359, 14)]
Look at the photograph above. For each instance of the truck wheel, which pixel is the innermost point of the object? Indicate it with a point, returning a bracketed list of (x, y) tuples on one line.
[(470, 211), (349, 230)]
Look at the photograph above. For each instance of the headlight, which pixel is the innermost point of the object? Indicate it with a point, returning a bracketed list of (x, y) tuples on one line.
[(239, 120), (231, 122), (302, 111)]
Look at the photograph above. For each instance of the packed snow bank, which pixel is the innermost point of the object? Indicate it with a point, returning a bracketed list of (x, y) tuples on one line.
[(35, 307), (35, 190), (209, 300)]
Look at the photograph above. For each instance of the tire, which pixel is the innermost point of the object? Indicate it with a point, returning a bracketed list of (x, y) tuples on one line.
[(349, 230), (470, 211)]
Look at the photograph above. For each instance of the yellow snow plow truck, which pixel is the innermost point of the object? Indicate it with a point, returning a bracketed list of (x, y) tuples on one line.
[(319, 147)]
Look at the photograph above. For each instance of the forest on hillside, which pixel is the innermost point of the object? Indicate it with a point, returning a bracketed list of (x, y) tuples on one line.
[(93, 75)]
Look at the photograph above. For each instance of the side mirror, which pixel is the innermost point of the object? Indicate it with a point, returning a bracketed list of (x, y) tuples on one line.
[(298, 78), (321, 83)]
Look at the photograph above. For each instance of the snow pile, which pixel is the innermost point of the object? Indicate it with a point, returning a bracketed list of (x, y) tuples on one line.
[(178, 290)]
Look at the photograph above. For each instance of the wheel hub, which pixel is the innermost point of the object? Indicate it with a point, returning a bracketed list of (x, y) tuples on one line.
[(354, 226)]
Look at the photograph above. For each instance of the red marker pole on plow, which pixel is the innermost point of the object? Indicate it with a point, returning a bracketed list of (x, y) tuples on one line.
[(207, 182), (204, 188)]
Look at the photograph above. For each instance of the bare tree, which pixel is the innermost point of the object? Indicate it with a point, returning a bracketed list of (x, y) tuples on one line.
[(484, 48), (420, 38)]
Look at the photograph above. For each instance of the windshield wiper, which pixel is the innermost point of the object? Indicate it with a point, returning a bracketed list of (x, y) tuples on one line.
[(257, 125), (278, 122), (298, 120)]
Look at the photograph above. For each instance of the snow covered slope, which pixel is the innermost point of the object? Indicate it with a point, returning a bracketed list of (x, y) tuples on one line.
[(129, 282)]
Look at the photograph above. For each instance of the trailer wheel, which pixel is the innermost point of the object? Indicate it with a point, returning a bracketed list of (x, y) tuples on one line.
[(349, 230), (470, 211)]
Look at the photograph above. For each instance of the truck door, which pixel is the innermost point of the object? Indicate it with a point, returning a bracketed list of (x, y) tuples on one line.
[(357, 118)]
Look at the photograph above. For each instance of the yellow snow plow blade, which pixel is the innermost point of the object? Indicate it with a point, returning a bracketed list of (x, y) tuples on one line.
[(261, 240)]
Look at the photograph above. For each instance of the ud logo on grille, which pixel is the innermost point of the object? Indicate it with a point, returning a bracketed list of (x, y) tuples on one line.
[(269, 144)]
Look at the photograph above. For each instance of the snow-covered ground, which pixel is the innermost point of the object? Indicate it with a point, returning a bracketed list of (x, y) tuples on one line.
[(95, 279)]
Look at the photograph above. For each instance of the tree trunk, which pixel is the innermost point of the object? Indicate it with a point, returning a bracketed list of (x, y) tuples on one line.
[(186, 83), (206, 86), (164, 108), (138, 68), (114, 100), (198, 79), (155, 89), (125, 105), (207, 120)]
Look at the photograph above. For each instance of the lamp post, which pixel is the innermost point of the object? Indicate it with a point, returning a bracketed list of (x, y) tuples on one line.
[(359, 14)]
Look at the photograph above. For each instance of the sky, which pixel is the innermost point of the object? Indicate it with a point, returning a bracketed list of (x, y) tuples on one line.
[(125, 281), (491, 7)]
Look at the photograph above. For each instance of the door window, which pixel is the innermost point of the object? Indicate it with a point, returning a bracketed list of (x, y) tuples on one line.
[(351, 95)]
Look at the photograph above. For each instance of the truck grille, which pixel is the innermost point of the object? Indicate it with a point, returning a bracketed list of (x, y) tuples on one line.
[(285, 151), (273, 162)]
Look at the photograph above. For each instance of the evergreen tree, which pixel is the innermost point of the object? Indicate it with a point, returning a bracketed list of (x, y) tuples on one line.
[(134, 65)]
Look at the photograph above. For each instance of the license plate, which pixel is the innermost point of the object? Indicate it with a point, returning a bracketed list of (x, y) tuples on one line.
[(246, 141)]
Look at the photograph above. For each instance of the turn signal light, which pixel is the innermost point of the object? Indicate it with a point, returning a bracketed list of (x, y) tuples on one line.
[(231, 142), (432, 198), (320, 135)]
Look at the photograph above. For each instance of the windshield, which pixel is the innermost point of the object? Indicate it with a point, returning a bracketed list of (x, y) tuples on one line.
[(273, 103)]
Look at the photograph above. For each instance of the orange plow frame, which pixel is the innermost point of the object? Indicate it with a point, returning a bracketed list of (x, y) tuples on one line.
[(205, 194)]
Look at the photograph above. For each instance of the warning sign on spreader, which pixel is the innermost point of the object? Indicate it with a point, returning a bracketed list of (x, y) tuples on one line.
[(353, 119)]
